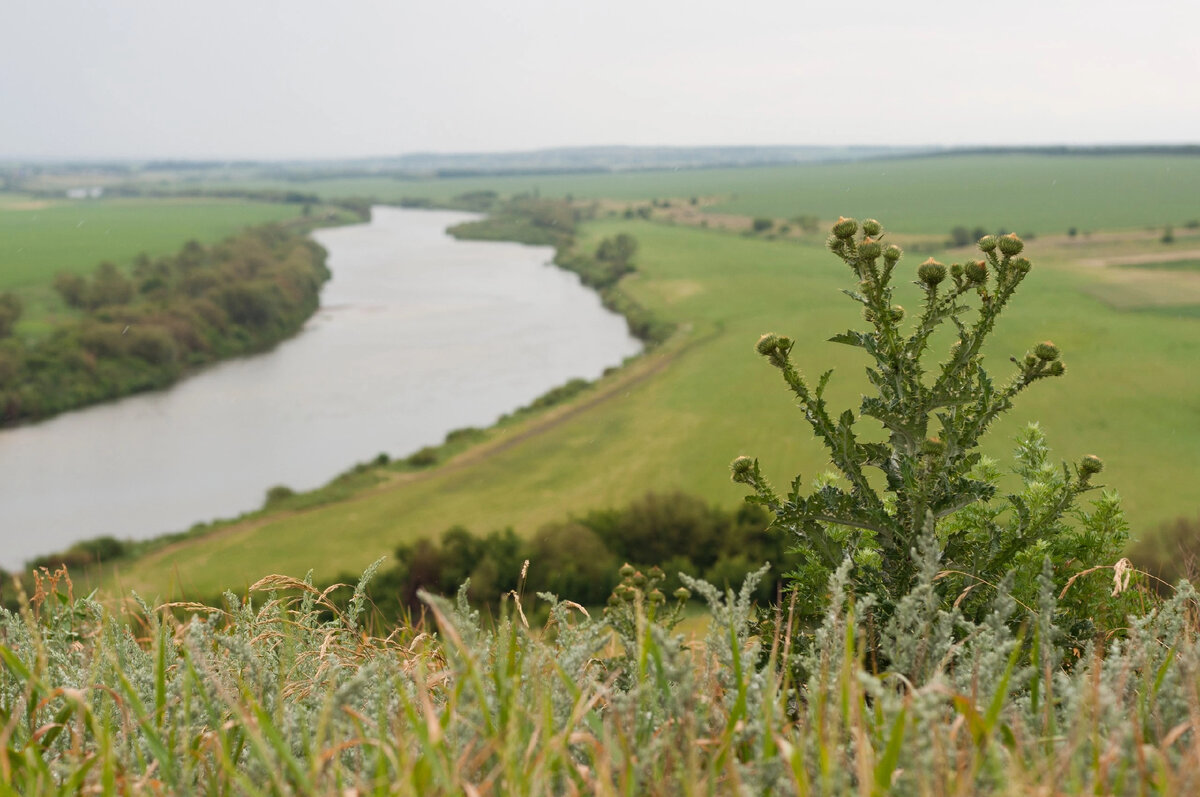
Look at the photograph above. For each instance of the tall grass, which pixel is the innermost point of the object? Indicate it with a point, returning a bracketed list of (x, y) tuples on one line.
[(288, 695)]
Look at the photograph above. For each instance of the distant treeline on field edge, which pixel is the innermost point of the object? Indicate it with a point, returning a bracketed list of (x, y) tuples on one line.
[(140, 330)]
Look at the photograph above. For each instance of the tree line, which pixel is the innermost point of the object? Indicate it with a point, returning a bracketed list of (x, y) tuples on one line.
[(143, 329)]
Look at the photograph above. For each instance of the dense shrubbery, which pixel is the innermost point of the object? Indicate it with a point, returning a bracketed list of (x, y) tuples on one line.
[(143, 329), (578, 559)]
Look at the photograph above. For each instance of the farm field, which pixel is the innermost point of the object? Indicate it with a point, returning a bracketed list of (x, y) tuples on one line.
[(1026, 193), (40, 238), (1129, 396)]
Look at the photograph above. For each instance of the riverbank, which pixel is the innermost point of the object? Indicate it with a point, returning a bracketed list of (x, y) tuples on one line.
[(394, 322), (118, 331)]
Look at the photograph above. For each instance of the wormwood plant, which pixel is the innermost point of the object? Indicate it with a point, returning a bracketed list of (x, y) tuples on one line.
[(934, 482)]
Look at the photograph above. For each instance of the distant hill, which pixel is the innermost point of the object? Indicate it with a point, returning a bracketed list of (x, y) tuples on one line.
[(622, 158)]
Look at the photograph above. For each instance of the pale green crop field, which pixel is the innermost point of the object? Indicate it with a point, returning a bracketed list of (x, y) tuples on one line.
[(1025, 193)]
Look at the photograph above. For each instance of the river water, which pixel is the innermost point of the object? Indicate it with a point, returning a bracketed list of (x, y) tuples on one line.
[(418, 334)]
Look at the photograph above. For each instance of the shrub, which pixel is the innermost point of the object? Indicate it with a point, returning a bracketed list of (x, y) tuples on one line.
[(426, 457), (762, 224), (278, 494), (937, 489), (10, 312)]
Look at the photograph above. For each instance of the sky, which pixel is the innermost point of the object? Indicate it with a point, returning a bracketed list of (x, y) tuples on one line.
[(263, 79)]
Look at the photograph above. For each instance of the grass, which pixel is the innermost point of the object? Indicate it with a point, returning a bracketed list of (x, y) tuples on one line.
[(40, 238), (290, 694), (1022, 193), (1127, 397)]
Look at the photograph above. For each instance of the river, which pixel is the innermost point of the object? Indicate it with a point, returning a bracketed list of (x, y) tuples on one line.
[(418, 334)]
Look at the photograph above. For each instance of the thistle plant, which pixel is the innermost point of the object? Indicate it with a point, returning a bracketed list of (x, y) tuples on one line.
[(933, 419)]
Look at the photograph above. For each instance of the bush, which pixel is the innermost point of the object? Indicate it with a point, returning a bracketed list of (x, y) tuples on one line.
[(762, 224), (938, 492), (277, 495), (10, 312), (426, 457)]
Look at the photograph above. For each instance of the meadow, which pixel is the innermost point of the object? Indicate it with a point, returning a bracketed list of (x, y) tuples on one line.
[(41, 237), (1041, 194), (1127, 396)]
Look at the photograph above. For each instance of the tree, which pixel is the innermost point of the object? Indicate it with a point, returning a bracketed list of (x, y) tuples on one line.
[(108, 287), (10, 312), (71, 287), (762, 224), (619, 249), (960, 236), (937, 490)]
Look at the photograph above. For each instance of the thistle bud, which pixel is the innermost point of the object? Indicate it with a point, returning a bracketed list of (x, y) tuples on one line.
[(987, 243), (656, 572), (892, 253), (955, 270), (741, 468), (931, 272), (1019, 265), (1046, 351), (626, 570), (897, 313), (1011, 245), (933, 446), (869, 315), (845, 228), (869, 249), (682, 594), (639, 580), (1030, 361), (1057, 368), (767, 344), (1091, 465), (976, 272), (656, 596), (872, 227), (613, 600)]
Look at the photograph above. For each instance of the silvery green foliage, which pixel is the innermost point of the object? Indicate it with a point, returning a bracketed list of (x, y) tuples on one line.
[(288, 697)]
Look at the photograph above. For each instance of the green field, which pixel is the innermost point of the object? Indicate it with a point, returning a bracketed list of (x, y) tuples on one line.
[(1025, 193), (1129, 396), (39, 238)]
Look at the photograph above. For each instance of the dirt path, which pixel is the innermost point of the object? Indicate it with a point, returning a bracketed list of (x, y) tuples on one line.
[(1147, 257), (630, 377)]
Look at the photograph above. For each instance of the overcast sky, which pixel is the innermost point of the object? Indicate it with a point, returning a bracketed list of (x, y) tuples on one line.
[(294, 79)]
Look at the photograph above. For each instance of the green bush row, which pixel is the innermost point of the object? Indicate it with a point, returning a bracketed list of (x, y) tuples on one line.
[(142, 330)]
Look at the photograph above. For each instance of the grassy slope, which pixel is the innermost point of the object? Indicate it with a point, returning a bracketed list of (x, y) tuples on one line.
[(1128, 396), (1027, 193), (38, 239)]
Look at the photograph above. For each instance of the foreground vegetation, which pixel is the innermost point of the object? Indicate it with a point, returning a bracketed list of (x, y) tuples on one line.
[(284, 695)]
